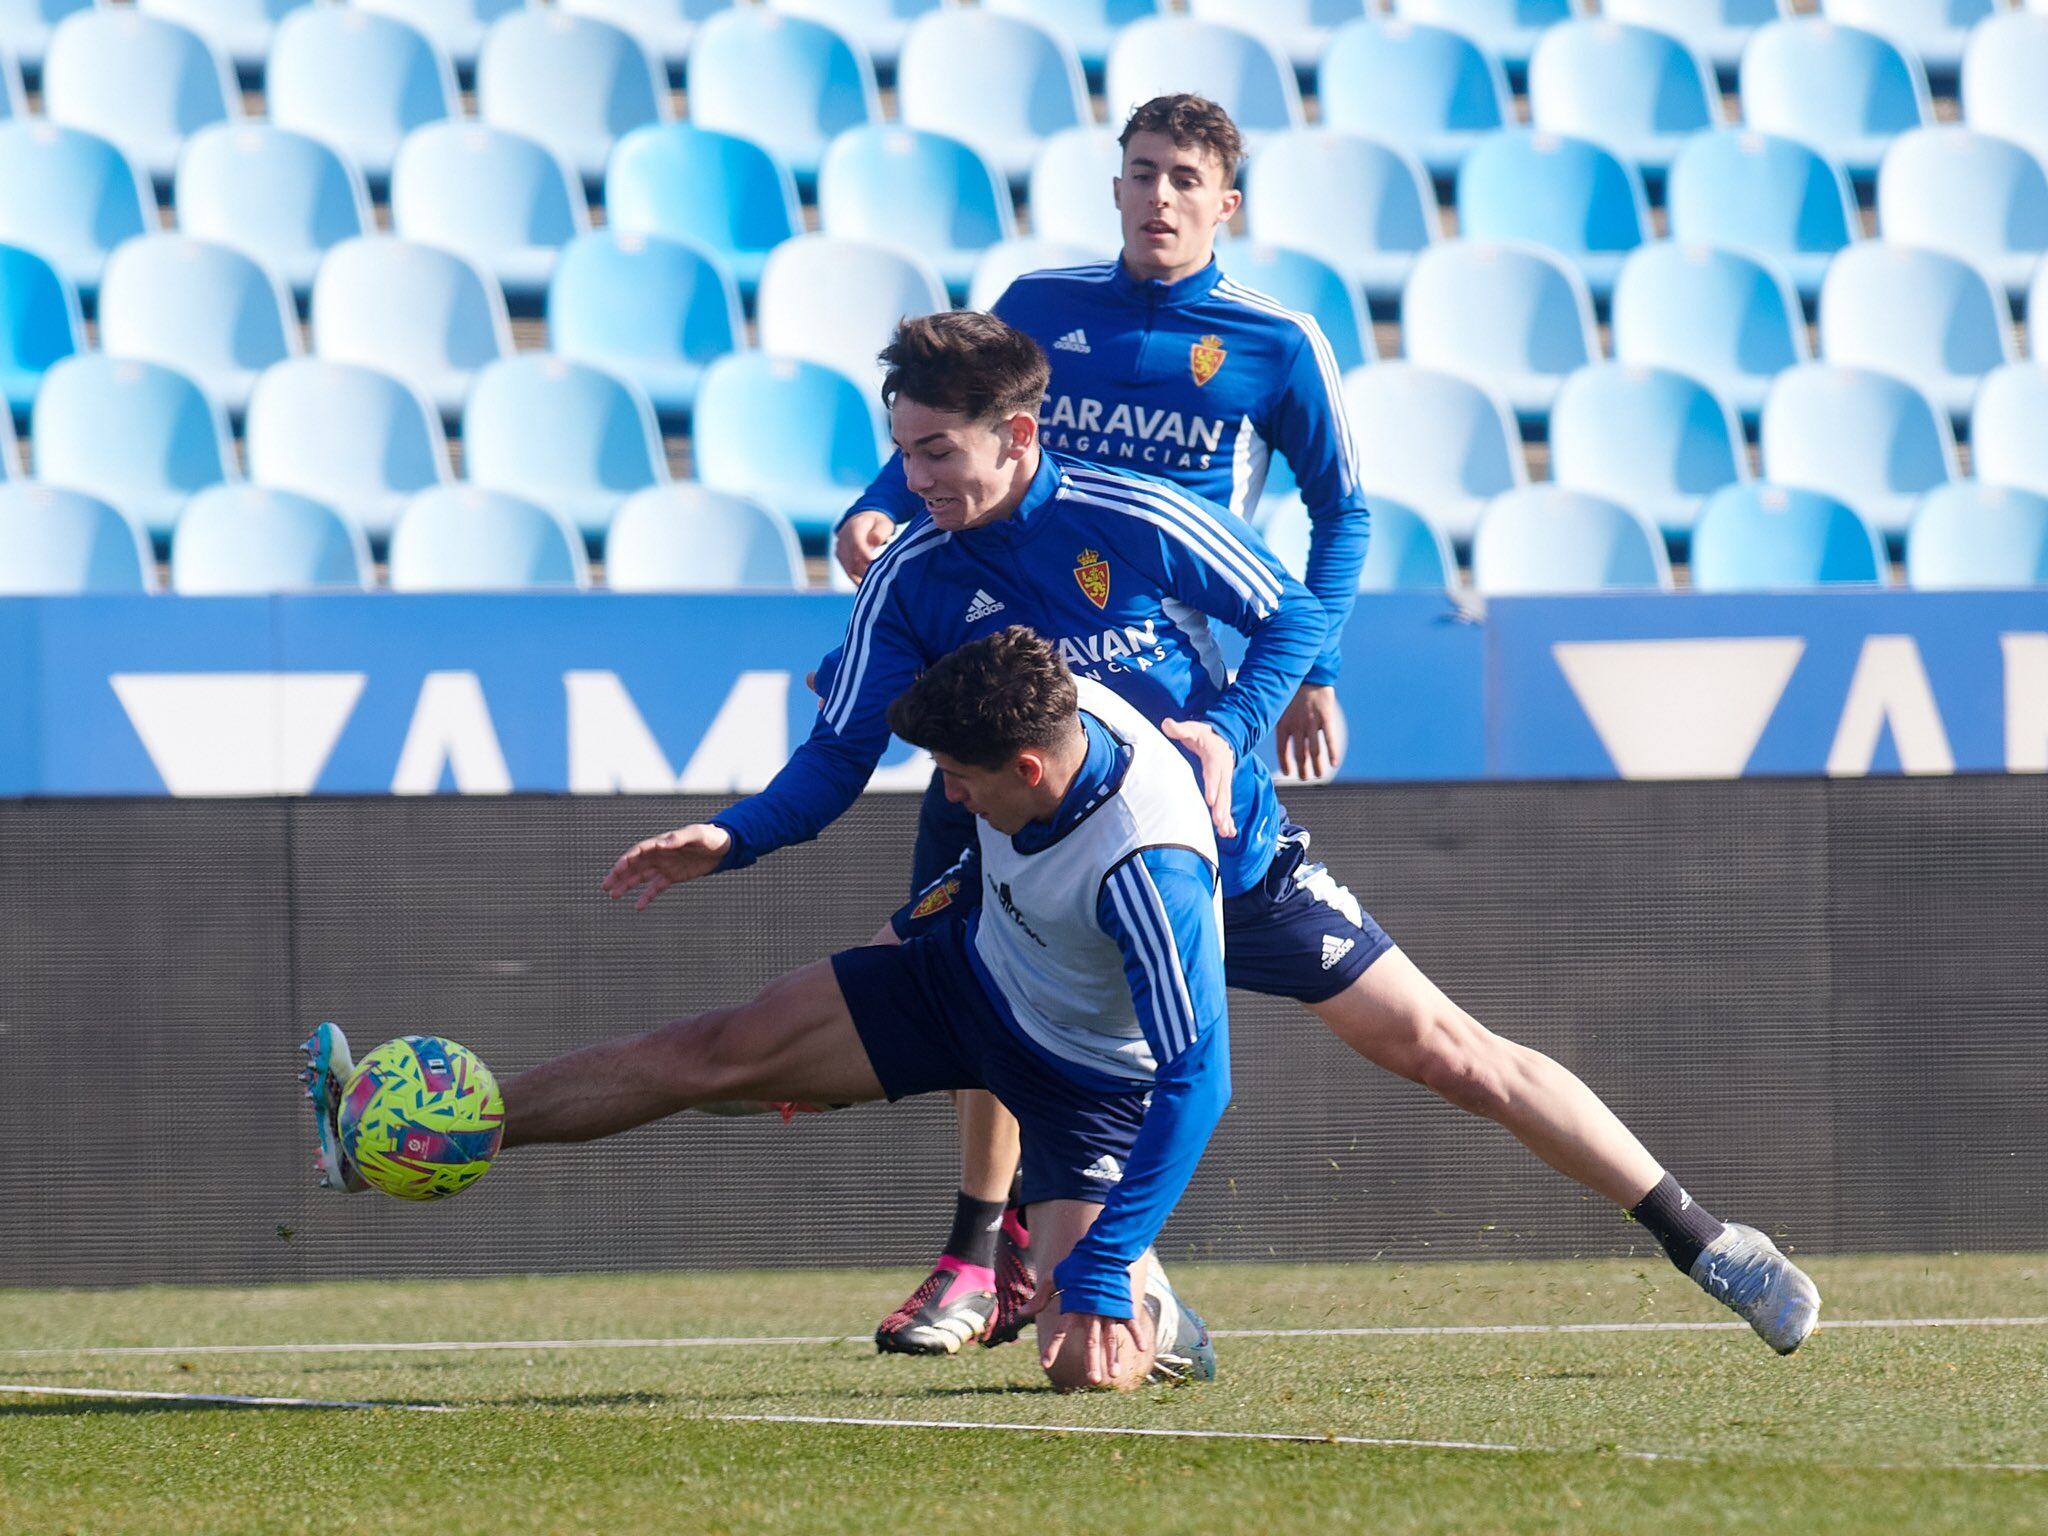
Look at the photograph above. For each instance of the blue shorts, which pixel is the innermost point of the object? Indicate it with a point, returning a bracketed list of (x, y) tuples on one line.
[(1297, 933), (927, 1024)]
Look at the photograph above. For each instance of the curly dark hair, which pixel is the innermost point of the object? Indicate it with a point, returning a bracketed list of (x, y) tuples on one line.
[(965, 361), (1192, 122), (987, 701)]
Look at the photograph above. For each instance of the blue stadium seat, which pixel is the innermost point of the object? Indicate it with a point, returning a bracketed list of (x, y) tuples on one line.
[(791, 83), (1432, 91), (40, 323), (1649, 438), (728, 194), (1072, 196), (1003, 263), (1843, 91), (1726, 318), (2003, 67), (505, 201), (1432, 441), (924, 192), (837, 302), (1716, 30), (427, 315), (456, 26), (1928, 317), (573, 83), (1860, 436), (1571, 196), (1544, 538), (352, 438), (1771, 196), (359, 81), (1299, 30), (25, 27), (144, 83), (1407, 553), (664, 28), (1308, 285), (459, 538), (2007, 443), (1241, 73), (561, 433), (801, 437), (1981, 198), (1635, 90), (245, 539), (1363, 206), (1976, 535), (69, 196), (687, 538), (59, 543), (1090, 25), (1000, 83), (13, 94), (655, 311), (207, 310), (284, 198), (138, 435), (1513, 317), (1934, 31), (878, 26), (1508, 29), (239, 30), (1769, 538)]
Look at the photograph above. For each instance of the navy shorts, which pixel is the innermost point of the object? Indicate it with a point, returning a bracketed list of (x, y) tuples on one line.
[(927, 1025)]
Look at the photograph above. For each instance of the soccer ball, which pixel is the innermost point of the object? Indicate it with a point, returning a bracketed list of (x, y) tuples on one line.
[(421, 1117)]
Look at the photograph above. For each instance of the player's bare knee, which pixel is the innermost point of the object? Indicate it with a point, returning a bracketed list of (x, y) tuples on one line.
[(1465, 1064), (706, 1054)]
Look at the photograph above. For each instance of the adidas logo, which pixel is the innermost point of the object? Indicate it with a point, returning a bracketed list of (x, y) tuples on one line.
[(1335, 949), (1105, 1168), (1075, 340), (982, 606)]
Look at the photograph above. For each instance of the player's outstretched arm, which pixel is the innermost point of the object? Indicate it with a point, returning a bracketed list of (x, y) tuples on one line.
[(654, 864)]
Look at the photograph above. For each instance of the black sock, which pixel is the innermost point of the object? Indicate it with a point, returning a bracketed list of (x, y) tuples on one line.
[(1681, 1226), (975, 1225)]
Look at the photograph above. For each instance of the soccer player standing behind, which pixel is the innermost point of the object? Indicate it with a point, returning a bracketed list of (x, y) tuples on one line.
[(1160, 364)]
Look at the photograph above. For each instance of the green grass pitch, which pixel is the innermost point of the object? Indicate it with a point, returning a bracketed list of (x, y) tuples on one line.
[(1888, 1429)]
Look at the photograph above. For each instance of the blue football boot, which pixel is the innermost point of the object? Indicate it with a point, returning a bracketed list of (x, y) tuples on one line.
[(1185, 1353), (1743, 1270), (327, 1070)]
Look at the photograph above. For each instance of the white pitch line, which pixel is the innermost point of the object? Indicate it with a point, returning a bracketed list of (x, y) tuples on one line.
[(221, 1398)]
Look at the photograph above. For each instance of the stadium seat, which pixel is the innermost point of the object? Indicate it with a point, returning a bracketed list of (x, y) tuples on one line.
[(1363, 206), (1977, 535), (239, 30), (788, 82), (459, 538), (1308, 284), (728, 194), (282, 197), (1928, 317), (138, 435), (1773, 197), (1072, 193), (573, 83), (1716, 30), (2003, 67), (143, 83), (1298, 29), (1649, 438), (1508, 29), (1933, 31), (41, 323), (1544, 538), (69, 196), (837, 302), (1429, 90), (924, 193), (1239, 72), (1981, 198), (1512, 317), (1566, 194), (25, 27), (1432, 441), (1727, 319), (427, 315), (59, 543), (207, 310), (352, 438), (564, 434), (1636, 91), (13, 94), (456, 26), (1843, 91), (1860, 436), (999, 83), (245, 539), (1767, 538), (1090, 25), (505, 201), (2008, 445), (1406, 553), (1003, 263), (359, 81), (801, 437), (687, 538), (10, 445), (663, 27), (880, 27), (655, 311)]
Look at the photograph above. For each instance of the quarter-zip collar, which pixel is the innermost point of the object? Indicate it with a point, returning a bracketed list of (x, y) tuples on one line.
[(1190, 290)]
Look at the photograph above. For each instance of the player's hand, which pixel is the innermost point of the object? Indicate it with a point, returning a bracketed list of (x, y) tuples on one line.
[(652, 866), (1111, 1347), (1219, 766), (862, 537), (1310, 737)]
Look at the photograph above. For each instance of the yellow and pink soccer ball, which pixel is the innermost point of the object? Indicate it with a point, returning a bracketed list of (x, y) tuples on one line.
[(421, 1117)]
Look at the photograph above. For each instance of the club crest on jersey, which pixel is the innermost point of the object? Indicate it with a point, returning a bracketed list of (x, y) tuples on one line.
[(937, 899), (1205, 357), (1092, 572)]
